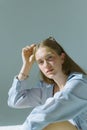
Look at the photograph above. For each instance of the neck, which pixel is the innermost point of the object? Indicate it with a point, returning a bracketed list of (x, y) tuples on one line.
[(60, 80)]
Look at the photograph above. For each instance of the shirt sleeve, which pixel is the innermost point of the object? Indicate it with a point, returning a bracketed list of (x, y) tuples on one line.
[(20, 96), (65, 105)]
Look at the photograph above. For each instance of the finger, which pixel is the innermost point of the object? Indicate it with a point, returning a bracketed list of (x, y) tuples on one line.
[(32, 58), (30, 47), (27, 48)]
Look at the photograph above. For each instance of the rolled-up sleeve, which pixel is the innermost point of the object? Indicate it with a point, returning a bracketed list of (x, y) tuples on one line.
[(65, 105)]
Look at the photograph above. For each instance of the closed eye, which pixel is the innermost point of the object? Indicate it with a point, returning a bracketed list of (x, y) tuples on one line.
[(50, 57), (40, 61)]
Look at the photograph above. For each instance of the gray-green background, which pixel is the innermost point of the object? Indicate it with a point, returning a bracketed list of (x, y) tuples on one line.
[(23, 22)]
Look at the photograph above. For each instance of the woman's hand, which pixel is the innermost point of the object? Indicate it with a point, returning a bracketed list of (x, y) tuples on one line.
[(28, 60), (27, 54)]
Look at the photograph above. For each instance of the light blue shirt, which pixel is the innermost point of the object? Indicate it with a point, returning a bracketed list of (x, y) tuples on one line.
[(67, 104)]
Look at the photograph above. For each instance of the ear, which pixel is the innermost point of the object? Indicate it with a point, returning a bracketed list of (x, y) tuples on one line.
[(62, 57)]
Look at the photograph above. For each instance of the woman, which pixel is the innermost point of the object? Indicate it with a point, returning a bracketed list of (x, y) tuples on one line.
[(60, 98)]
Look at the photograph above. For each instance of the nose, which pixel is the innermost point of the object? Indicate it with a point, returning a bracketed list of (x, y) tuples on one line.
[(46, 64)]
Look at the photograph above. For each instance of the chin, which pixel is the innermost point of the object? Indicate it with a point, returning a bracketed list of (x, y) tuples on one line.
[(50, 76)]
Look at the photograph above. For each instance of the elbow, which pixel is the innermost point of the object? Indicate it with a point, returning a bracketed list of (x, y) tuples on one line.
[(15, 104), (10, 103)]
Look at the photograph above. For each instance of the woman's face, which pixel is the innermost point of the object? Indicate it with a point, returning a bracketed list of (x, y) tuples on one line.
[(49, 62)]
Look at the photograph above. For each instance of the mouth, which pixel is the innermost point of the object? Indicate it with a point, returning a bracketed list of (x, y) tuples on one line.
[(49, 71)]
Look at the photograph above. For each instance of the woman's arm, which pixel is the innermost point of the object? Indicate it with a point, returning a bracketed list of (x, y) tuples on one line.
[(63, 106), (28, 60), (20, 96)]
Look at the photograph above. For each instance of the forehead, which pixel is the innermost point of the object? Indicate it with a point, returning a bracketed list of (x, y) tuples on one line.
[(43, 52)]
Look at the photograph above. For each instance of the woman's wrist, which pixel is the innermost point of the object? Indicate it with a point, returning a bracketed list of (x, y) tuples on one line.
[(22, 76)]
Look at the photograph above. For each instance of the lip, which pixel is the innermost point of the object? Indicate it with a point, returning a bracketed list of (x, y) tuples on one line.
[(49, 71)]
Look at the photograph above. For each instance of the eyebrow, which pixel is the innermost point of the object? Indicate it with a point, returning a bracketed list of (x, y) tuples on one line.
[(45, 56)]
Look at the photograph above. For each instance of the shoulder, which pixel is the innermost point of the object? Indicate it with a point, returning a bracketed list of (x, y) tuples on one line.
[(77, 84), (77, 76)]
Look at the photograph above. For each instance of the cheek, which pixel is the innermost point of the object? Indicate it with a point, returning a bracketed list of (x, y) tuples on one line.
[(54, 62), (40, 67)]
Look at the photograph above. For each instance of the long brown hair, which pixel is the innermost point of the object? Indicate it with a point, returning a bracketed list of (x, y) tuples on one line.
[(68, 66)]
